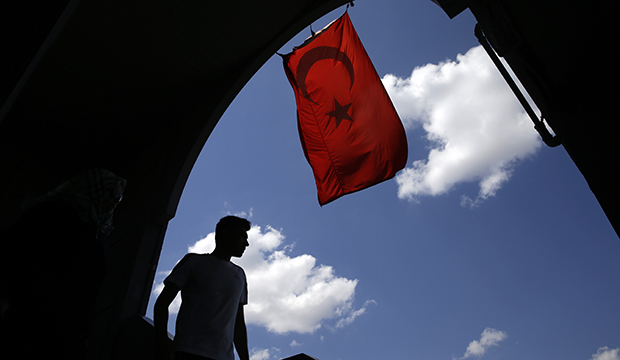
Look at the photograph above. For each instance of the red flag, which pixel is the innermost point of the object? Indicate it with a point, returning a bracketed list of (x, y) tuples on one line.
[(349, 130)]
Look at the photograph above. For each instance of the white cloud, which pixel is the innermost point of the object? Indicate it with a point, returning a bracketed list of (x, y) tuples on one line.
[(294, 343), (287, 294), (291, 293), (489, 337), (605, 353), (260, 354), (477, 128), (354, 314)]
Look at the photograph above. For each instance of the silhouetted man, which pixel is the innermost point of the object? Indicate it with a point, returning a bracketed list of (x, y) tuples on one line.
[(213, 291)]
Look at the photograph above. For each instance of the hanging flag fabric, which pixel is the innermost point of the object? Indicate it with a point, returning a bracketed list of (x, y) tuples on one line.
[(349, 130)]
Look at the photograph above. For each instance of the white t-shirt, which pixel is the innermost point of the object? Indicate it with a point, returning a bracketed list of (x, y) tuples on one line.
[(211, 291)]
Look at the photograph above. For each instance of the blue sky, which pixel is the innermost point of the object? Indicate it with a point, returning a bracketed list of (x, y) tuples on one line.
[(489, 245)]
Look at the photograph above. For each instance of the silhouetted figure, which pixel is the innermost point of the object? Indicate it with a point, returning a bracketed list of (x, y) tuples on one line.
[(214, 291), (53, 261)]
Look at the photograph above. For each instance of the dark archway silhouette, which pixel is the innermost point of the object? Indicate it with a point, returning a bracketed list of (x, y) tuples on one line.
[(137, 87), (134, 87)]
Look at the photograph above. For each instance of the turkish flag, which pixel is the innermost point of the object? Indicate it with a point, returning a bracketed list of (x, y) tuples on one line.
[(349, 130)]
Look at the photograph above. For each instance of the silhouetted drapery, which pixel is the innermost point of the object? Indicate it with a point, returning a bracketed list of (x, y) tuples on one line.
[(349, 130)]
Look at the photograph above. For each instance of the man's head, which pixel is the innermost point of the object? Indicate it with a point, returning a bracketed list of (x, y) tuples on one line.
[(231, 235)]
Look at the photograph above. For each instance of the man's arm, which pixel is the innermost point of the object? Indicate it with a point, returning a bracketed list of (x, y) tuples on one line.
[(241, 335), (160, 314)]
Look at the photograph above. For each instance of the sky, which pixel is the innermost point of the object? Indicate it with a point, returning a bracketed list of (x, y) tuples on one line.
[(488, 245)]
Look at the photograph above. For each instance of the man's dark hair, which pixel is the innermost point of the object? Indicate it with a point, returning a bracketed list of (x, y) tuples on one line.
[(228, 224)]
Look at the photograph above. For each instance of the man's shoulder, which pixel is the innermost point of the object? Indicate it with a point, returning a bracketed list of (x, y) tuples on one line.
[(196, 256), (194, 259), (237, 268), (206, 259), (190, 259)]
